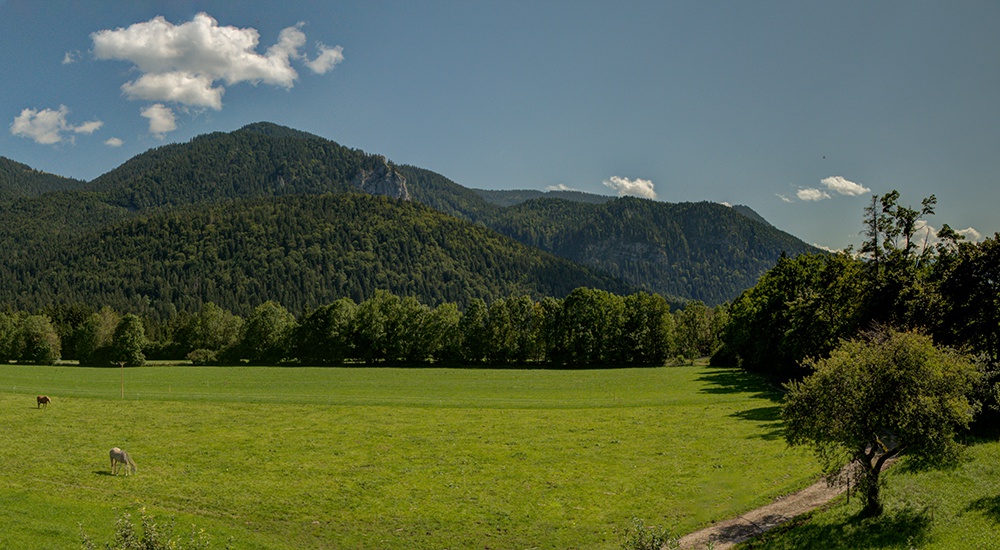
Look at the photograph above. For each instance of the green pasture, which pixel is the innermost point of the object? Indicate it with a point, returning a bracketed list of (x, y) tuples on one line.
[(956, 508), (388, 458)]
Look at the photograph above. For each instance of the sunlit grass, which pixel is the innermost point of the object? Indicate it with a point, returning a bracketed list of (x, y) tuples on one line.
[(947, 509), (389, 458)]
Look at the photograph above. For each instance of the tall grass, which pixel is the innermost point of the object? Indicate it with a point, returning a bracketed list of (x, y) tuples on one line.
[(389, 458)]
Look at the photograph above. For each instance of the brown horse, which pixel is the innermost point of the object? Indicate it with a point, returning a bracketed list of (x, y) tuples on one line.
[(43, 400)]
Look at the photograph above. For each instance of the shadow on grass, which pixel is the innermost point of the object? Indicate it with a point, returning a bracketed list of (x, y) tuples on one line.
[(730, 380), (102, 473), (989, 506), (905, 528), (770, 417)]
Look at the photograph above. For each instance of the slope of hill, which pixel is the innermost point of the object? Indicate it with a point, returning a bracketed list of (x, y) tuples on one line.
[(703, 251), (517, 196), (303, 251), (20, 180), (75, 243)]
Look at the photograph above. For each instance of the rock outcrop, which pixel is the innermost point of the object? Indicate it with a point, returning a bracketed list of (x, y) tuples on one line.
[(382, 180)]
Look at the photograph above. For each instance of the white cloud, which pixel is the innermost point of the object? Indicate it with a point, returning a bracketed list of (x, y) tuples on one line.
[(161, 119), (783, 197), (327, 59), (811, 194), (71, 57), (724, 203), (636, 188), (843, 186), (48, 126), (970, 234), (184, 88), (827, 248), (113, 142), (191, 63)]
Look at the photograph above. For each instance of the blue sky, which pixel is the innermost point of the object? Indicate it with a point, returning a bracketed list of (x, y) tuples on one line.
[(800, 110)]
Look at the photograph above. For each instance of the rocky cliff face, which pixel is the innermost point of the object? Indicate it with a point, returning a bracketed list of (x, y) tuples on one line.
[(382, 180)]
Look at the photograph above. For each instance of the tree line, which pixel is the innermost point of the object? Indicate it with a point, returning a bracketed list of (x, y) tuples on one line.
[(587, 328), (804, 307)]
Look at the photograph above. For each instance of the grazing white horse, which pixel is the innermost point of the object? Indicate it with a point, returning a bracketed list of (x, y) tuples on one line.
[(119, 457)]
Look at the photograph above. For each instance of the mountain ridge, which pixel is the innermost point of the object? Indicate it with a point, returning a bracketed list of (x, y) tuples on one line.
[(698, 251)]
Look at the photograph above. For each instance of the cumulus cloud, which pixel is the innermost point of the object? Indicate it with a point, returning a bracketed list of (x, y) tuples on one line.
[(327, 59), (970, 234), (836, 184), (49, 126), (843, 186), (161, 119), (636, 188), (113, 142), (191, 64), (811, 194)]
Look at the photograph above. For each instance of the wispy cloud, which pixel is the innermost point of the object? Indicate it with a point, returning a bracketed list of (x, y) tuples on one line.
[(113, 142), (560, 187), (191, 63), (49, 126), (627, 187)]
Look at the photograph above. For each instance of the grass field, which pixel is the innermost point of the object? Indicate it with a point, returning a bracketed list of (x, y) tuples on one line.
[(950, 509), (389, 458)]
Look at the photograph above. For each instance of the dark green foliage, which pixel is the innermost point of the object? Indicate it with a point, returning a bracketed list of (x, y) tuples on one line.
[(505, 198), (801, 308), (128, 340), (702, 251), (302, 251), (20, 180), (64, 246), (35, 341), (878, 397), (265, 337)]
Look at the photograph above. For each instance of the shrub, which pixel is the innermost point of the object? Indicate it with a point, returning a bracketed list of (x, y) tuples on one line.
[(151, 536)]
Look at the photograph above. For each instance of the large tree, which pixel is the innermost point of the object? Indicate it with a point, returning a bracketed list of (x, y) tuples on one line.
[(881, 396)]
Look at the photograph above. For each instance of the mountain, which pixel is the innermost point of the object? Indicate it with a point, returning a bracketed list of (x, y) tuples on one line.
[(20, 180), (703, 251), (158, 232), (517, 196), (300, 250)]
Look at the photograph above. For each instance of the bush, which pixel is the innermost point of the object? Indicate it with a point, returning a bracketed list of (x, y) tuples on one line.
[(639, 537), (151, 536)]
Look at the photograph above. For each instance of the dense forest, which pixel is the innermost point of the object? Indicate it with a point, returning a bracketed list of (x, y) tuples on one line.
[(804, 307), (299, 250), (131, 239)]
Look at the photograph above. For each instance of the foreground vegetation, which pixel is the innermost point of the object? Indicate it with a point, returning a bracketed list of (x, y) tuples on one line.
[(389, 458), (954, 509)]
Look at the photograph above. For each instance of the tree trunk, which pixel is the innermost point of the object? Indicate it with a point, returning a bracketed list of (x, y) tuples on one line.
[(873, 499)]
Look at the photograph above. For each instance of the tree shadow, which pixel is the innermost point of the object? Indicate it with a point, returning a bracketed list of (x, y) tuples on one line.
[(770, 419), (731, 380), (908, 527), (989, 506)]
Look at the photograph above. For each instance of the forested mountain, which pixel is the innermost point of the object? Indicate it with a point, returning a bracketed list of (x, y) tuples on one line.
[(302, 251), (21, 180), (703, 251), (105, 241), (503, 197)]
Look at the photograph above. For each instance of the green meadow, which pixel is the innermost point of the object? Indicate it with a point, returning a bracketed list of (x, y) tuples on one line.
[(388, 458)]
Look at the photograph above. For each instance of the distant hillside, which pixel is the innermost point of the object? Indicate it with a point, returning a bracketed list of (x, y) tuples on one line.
[(703, 251), (303, 251), (512, 197), (61, 239), (20, 180)]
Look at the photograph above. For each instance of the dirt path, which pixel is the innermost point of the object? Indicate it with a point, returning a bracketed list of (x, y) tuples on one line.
[(727, 534)]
